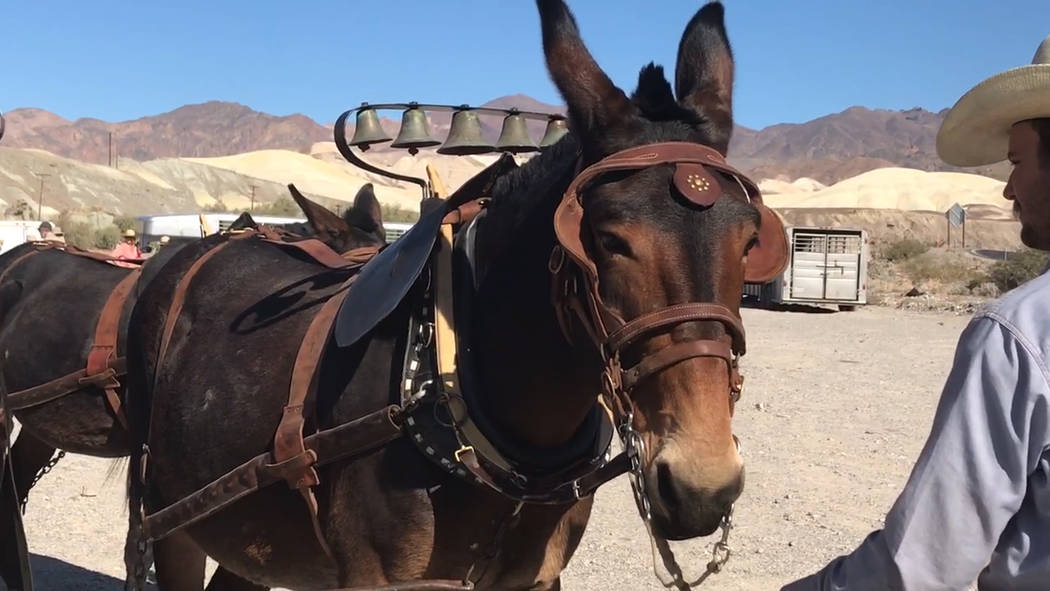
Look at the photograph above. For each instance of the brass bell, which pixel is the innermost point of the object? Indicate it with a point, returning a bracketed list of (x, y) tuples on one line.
[(464, 137), (413, 133), (514, 137), (556, 128), (367, 131)]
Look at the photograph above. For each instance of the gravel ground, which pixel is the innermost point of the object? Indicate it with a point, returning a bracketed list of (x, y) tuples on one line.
[(836, 408)]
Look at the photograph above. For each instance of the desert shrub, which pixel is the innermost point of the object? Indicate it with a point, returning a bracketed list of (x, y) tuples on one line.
[(217, 207), (904, 249), (283, 207), (396, 213), (77, 233), (1017, 269), (125, 222), (107, 237), (933, 266)]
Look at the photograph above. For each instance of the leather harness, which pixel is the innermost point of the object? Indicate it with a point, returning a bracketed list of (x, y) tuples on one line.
[(104, 367)]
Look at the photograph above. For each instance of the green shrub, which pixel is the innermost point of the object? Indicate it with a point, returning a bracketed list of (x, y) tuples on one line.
[(79, 234), (283, 207), (396, 213), (933, 266), (904, 249), (108, 237), (1017, 269), (125, 222)]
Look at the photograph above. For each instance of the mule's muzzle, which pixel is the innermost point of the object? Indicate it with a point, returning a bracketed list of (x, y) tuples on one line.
[(683, 509)]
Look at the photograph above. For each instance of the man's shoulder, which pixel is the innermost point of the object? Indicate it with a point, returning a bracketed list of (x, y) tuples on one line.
[(1024, 312)]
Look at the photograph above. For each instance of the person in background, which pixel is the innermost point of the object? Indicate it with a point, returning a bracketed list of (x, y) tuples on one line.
[(128, 248), (43, 232)]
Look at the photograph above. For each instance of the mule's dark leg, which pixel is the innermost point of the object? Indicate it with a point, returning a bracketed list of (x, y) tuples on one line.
[(224, 580), (28, 456), (12, 543), (179, 562)]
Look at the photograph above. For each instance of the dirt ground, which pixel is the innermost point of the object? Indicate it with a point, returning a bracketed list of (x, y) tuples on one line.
[(836, 408)]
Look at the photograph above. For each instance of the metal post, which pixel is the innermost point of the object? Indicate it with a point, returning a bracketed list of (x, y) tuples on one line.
[(253, 198), (40, 197)]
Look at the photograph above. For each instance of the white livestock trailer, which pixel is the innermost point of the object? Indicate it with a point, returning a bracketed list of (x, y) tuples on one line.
[(826, 266)]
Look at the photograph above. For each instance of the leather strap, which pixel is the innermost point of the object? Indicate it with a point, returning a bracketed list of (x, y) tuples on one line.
[(422, 585), (348, 440), (674, 315), (16, 262), (570, 491), (104, 347), (178, 300), (289, 449), (64, 385), (323, 254), (673, 354)]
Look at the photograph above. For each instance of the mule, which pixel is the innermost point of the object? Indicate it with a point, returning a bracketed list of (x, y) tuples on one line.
[(51, 303), (213, 369)]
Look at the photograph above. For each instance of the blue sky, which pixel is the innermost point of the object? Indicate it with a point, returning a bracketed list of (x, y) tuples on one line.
[(795, 60)]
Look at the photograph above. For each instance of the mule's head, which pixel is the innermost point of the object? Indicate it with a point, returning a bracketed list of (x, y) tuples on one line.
[(653, 248), (360, 226)]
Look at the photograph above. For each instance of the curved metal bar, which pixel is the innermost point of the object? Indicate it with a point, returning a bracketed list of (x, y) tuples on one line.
[(343, 146), (344, 149), (452, 108)]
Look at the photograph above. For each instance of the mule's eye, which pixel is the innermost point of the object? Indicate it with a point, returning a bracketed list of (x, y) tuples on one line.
[(613, 244), (751, 244)]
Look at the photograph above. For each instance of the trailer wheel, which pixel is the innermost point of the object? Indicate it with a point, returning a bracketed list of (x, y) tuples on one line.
[(847, 307)]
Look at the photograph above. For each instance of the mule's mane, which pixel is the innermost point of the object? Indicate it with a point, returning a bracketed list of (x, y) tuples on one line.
[(656, 101), (516, 195)]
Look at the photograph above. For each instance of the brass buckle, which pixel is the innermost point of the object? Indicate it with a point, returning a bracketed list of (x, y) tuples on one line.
[(462, 450)]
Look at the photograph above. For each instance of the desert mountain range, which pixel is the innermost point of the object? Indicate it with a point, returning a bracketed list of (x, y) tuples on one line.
[(862, 164), (827, 149)]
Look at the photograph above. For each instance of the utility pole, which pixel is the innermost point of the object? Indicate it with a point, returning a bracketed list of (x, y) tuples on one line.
[(112, 160), (253, 198), (40, 197)]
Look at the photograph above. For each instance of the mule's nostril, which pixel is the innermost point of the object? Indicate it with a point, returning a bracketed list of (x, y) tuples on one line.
[(665, 484)]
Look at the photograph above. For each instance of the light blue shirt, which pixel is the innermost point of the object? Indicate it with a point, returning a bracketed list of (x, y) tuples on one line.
[(977, 504)]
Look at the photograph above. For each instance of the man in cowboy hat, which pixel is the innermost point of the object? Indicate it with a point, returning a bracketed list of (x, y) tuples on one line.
[(977, 504)]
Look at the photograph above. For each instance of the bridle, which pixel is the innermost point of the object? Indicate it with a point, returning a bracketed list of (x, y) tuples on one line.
[(575, 286), (575, 295)]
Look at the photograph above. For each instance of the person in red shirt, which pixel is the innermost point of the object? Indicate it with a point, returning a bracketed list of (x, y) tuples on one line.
[(127, 248)]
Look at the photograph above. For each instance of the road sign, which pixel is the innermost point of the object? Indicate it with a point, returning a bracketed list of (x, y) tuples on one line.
[(956, 215)]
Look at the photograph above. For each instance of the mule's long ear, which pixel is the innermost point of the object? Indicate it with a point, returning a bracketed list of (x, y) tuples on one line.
[(366, 214), (326, 223), (595, 103), (704, 74), (243, 222)]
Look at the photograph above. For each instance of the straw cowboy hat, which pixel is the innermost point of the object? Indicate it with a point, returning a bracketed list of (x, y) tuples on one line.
[(129, 233), (977, 129)]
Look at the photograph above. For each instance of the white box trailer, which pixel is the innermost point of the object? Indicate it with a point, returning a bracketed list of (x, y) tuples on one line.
[(197, 225), (825, 266), (15, 232)]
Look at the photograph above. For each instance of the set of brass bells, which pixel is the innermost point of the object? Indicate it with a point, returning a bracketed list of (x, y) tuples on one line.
[(464, 136)]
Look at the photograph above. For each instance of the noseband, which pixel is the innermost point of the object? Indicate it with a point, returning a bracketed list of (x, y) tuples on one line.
[(575, 285)]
